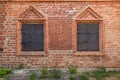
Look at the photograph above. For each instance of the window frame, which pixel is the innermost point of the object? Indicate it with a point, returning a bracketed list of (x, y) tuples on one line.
[(84, 53), (19, 37)]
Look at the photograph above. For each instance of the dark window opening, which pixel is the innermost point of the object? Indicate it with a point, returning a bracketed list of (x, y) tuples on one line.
[(88, 37), (32, 37)]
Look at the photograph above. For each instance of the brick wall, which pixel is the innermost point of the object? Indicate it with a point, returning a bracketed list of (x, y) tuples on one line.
[(2, 18), (60, 34)]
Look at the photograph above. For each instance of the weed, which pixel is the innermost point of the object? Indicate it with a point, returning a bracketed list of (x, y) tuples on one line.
[(84, 76), (100, 74), (44, 72), (21, 66), (32, 76), (72, 69), (71, 78), (55, 73), (4, 71)]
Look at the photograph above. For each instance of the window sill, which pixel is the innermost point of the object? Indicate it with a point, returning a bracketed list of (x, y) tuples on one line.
[(32, 53), (89, 53)]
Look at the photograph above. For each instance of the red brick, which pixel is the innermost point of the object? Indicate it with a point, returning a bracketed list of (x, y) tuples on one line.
[(60, 33)]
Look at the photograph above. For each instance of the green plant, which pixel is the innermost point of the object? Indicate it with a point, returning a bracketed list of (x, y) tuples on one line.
[(7, 77), (55, 73), (72, 69), (114, 73), (71, 78), (44, 72), (1, 79), (83, 77), (21, 66), (100, 74), (4, 71), (32, 76), (43, 76)]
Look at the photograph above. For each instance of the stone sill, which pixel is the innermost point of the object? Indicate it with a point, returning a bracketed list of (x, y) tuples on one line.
[(42, 55), (89, 53), (33, 53), (58, 0)]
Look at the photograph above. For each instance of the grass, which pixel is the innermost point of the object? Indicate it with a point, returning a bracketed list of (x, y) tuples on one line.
[(71, 78), (100, 74), (4, 71), (44, 73), (32, 76), (84, 76), (55, 73), (72, 69)]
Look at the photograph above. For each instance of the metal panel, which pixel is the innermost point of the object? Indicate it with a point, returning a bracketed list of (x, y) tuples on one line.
[(26, 37), (93, 43), (93, 28), (37, 46), (82, 28), (82, 41), (88, 37), (26, 46), (32, 37)]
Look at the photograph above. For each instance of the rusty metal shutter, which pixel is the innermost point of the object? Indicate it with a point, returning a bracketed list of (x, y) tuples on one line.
[(32, 37), (88, 37)]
